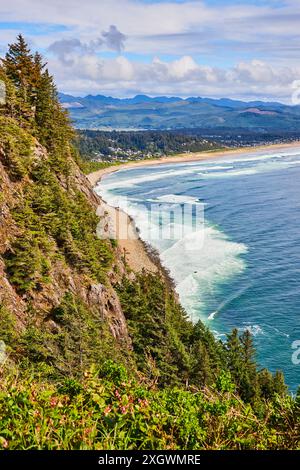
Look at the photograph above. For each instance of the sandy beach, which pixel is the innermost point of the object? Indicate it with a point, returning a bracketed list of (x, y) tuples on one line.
[(136, 253), (96, 176), (120, 226)]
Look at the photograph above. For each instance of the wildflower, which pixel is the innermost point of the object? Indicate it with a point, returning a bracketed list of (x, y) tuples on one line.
[(123, 409), (143, 402), (53, 402), (117, 395), (107, 410), (4, 442), (87, 431)]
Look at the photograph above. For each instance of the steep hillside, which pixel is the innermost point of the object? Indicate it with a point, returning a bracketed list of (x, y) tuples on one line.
[(64, 291), (94, 355), (49, 253)]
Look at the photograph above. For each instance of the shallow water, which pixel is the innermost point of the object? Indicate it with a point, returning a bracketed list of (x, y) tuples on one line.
[(235, 255)]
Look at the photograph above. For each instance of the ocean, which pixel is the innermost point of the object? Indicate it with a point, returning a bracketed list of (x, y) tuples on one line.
[(228, 230)]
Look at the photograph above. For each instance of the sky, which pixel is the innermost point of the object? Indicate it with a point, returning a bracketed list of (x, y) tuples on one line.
[(242, 49)]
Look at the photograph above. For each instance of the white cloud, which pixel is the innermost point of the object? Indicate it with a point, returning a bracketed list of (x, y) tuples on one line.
[(119, 76), (182, 67), (67, 49), (164, 25), (245, 50)]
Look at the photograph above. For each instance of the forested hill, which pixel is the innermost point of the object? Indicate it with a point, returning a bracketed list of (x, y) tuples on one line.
[(93, 355), (161, 113), (109, 146)]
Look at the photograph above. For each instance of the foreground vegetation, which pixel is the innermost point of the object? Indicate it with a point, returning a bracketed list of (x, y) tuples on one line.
[(68, 381), (110, 410)]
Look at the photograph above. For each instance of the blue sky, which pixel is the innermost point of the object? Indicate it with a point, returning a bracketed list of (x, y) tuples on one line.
[(238, 48)]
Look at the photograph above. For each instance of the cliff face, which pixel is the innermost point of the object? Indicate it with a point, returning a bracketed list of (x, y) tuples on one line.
[(63, 275), (8, 193)]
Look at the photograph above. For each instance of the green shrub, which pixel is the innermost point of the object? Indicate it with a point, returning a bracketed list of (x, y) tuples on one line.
[(116, 373), (97, 414), (16, 146)]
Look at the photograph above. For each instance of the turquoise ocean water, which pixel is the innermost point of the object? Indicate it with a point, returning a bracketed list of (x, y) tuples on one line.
[(235, 253)]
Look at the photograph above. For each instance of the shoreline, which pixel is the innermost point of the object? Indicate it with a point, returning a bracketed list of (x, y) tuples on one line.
[(96, 176), (137, 254)]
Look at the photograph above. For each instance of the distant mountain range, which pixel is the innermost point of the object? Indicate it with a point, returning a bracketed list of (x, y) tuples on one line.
[(144, 112)]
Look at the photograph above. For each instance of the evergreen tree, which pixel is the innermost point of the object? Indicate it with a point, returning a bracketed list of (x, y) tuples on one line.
[(266, 383), (249, 382), (45, 108), (248, 349), (20, 68), (19, 64), (32, 99), (234, 355), (279, 384)]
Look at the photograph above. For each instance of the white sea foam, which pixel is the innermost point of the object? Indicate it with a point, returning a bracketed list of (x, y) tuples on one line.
[(213, 167), (177, 199), (258, 157), (132, 181), (265, 166), (200, 262), (255, 330), (296, 162), (241, 172), (220, 169), (212, 315)]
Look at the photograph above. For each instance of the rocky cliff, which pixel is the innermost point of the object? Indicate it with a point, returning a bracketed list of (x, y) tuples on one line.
[(65, 276)]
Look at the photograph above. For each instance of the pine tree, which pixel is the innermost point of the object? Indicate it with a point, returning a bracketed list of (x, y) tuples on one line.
[(32, 98), (279, 384), (234, 355), (249, 382), (266, 383), (37, 74), (45, 108), (20, 69), (19, 64), (203, 370), (248, 349)]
